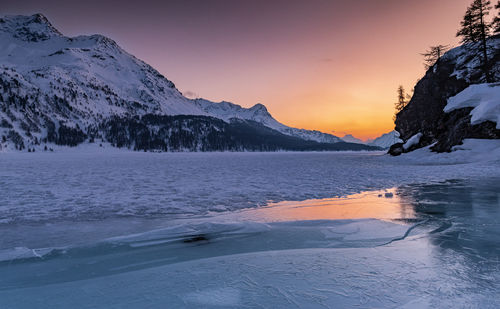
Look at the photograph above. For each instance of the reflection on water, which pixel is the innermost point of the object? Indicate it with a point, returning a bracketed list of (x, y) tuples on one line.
[(384, 204)]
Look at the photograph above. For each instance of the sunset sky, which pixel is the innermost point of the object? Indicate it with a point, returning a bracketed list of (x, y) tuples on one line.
[(331, 65)]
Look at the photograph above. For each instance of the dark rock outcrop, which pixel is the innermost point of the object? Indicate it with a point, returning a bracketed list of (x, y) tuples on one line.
[(455, 71), (396, 149)]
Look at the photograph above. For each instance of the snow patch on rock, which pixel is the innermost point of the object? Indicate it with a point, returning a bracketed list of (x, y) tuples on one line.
[(414, 140), (485, 98), (471, 151)]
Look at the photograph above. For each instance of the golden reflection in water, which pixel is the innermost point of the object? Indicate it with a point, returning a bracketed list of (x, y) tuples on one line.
[(385, 204)]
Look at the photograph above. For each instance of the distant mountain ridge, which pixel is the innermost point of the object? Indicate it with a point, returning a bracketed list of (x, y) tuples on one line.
[(62, 90), (348, 138), (386, 140)]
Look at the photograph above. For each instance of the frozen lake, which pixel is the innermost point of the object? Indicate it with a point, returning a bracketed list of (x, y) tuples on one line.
[(51, 187), (184, 231)]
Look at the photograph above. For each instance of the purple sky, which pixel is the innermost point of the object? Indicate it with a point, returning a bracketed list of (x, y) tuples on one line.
[(327, 65)]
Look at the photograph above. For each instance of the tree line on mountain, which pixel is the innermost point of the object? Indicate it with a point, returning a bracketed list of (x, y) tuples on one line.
[(202, 133), (149, 132), (474, 30)]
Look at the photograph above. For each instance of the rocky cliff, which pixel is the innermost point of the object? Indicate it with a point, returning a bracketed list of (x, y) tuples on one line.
[(454, 72)]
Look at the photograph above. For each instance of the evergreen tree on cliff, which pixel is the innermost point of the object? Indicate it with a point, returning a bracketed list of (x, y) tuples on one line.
[(496, 21), (432, 55), (401, 103), (474, 28)]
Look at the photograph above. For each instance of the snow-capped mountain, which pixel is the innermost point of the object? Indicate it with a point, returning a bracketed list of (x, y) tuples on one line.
[(386, 140), (51, 84), (259, 113), (348, 138)]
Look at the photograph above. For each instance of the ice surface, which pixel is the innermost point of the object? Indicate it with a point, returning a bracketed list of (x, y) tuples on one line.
[(446, 257), (105, 229), (49, 187)]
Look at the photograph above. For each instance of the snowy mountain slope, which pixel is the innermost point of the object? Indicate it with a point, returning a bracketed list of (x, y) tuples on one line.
[(386, 140), (259, 113), (49, 81), (348, 138)]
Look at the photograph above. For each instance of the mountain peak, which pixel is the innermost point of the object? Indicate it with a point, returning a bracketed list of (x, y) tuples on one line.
[(33, 28), (259, 108), (103, 40), (40, 19), (386, 140)]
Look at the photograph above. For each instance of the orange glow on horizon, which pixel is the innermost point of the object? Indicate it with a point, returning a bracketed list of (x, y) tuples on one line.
[(338, 81), (332, 66)]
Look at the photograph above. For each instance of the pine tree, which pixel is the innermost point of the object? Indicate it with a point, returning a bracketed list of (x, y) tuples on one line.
[(401, 103), (432, 55), (474, 28), (469, 30), (403, 100), (496, 22)]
